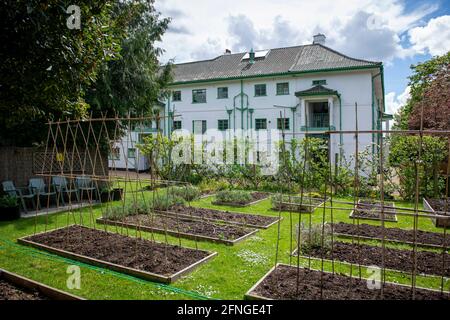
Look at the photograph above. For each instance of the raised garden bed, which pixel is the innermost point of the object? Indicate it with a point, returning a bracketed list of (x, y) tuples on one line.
[(280, 283), (371, 210), (243, 219), (296, 203), (429, 263), (15, 287), (366, 231), (443, 205), (255, 198), (138, 257), (183, 227)]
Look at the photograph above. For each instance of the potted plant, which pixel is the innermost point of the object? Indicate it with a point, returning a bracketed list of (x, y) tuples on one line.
[(108, 194), (9, 208)]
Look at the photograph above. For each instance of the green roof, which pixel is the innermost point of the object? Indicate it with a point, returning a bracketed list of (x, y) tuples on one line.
[(279, 61)]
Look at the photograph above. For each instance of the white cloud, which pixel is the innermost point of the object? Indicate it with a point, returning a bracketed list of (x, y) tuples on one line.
[(368, 29), (433, 38), (394, 102)]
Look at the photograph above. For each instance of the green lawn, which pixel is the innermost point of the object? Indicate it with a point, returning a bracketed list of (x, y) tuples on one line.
[(228, 276)]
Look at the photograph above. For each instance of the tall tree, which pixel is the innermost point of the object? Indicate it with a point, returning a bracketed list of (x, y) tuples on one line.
[(135, 82), (423, 75), (46, 65)]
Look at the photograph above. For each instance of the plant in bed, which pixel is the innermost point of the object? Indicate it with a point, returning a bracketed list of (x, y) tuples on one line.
[(233, 197), (314, 238), (296, 203), (187, 192), (9, 208)]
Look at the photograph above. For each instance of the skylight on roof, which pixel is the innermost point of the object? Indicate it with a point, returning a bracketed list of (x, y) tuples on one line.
[(258, 54)]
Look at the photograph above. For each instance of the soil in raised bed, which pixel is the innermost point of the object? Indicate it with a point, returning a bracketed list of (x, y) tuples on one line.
[(281, 284), (230, 217), (141, 254), (440, 205), (396, 259), (401, 235), (372, 210), (256, 196), (308, 205), (9, 291), (184, 225)]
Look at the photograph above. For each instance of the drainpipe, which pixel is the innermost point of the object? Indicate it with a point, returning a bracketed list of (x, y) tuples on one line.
[(242, 105), (293, 109), (341, 137), (373, 108)]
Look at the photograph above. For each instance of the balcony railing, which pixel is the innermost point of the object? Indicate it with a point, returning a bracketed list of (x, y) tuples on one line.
[(320, 120)]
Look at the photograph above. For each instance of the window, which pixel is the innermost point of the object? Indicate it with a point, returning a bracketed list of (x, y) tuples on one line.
[(115, 154), (176, 125), (176, 96), (260, 124), (222, 124), (199, 126), (199, 96), (222, 93), (280, 123), (282, 88), (319, 82), (260, 90), (131, 152)]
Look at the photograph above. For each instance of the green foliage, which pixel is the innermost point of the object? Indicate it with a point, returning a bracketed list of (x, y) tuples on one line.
[(233, 196), (46, 65), (404, 157), (311, 237), (422, 76), (165, 201), (213, 185), (134, 82), (187, 192), (7, 201)]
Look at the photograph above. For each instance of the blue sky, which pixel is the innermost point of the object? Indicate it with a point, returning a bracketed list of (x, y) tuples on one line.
[(397, 32)]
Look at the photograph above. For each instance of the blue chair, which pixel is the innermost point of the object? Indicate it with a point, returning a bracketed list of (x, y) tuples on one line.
[(85, 184), (21, 193), (38, 187), (62, 187)]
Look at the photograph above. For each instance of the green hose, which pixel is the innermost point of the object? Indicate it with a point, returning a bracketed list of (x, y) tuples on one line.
[(51, 257)]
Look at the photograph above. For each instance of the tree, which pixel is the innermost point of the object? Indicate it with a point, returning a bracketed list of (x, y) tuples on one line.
[(423, 76), (134, 82), (46, 66)]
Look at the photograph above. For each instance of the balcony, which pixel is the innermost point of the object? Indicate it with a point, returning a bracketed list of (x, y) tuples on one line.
[(319, 122)]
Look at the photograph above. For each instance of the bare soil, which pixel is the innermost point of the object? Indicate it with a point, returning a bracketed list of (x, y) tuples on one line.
[(308, 205), (372, 210), (396, 234), (396, 259), (184, 225), (440, 205), (282, 284), (141, 254), (9, 291), (229, 217)]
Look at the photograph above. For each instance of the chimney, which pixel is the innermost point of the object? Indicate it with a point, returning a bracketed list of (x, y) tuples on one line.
[(319, 39), (227, 51), (251, 55)]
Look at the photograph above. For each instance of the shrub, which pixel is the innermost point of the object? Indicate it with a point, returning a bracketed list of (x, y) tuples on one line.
[(311, 238), (234, 196), (213, 185), (7, 201), (119, 212), (165, 201), (188, 192)]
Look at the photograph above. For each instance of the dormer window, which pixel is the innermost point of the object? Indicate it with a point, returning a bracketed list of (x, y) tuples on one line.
[(319, 82), (261, 54)]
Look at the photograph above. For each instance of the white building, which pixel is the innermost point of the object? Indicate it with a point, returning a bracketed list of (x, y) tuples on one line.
[(314, 87)]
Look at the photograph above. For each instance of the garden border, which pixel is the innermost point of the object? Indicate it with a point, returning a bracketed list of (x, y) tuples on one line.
[(373, 219), (26, 283), (252, 296), (113, 266), (173, 233), (302, 212), (219, 220), (438, 223)]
